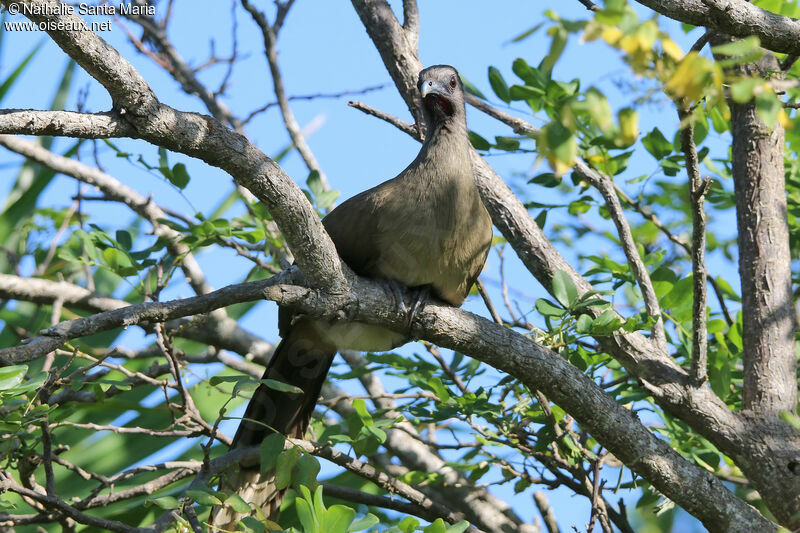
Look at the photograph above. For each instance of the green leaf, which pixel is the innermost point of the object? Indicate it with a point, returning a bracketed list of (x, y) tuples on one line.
[(271, 447), (118, 261), (437, 526), (557, 46), (179, 176), (541, 218), (739, 47), (564, 289), (203, 497), (363, 413), (790, 418), (337, 519), (306, 471), (525, 92), (124, 239), (408, 524), (546, 308), (742, 90), (11, 376), (478, 142), (768, 105), (460, 527), (237, 503), (470, 88), (281, 386), (326, 199), (508, 144), (499, 85), (314, 183), (584, 324), (9, 81), (656, 144), (306, 516), (365, 522), (527, 33), (165, 502), (439, 389), (284, 466), (253, 524)]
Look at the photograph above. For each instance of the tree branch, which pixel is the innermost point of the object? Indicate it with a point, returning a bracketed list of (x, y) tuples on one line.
[(540, 369), (270, 36), (734, 17), (697, 191)]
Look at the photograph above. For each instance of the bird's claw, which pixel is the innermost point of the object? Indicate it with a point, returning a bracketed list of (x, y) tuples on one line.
[(397, 293), (420, 299)]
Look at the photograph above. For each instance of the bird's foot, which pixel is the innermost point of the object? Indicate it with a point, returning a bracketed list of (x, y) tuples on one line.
[(420, 299), (394, 287)]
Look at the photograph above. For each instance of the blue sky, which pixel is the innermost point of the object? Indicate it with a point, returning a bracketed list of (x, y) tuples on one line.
[(323, 49)]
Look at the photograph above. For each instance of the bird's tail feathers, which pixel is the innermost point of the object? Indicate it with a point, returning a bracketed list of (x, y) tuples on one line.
[(302, 360)]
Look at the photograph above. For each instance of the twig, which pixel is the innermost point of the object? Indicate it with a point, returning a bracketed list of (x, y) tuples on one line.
[(357, 496), (605, 186), (517, 124), (270, 36), (649, 215), (54, 337), (488, 301), (394, 121), (702, 41), (697, 191), (588, 4), (62, 507), (315, 96)]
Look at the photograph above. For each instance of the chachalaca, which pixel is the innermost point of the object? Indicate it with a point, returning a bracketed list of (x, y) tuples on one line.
[(426, 228)]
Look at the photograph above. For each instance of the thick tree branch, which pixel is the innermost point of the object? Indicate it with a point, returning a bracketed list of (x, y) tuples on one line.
[(734, 17), (540, 369), (64, 124), (670, 386)]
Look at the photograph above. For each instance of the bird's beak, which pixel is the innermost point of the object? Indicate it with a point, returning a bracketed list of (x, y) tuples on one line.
[(429, 87)]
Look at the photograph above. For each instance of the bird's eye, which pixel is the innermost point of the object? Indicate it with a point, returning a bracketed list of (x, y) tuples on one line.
[(453, 82)]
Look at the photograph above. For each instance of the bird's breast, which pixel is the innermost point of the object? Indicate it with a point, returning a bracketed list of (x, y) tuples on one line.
[(440, 241)]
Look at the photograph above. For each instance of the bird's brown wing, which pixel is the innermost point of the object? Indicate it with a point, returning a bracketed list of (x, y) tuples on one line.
[(353, 228)]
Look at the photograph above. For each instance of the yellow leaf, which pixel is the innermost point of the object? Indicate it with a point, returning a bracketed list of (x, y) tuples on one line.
[(611, 35), (628, 125), (784, 119), (691, 77), (671, 48)]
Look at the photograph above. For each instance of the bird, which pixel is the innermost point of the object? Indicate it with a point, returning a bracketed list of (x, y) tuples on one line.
[(426, 229)]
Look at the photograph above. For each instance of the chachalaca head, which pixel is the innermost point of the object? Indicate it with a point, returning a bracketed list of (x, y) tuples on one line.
[(442, 95)]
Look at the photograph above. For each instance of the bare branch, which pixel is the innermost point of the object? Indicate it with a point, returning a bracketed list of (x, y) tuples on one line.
[(697, 191), (64, 123), (405, 127), (488, 301), (605, 186), (270, 37), (60, 506)]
